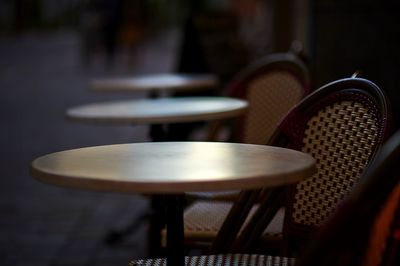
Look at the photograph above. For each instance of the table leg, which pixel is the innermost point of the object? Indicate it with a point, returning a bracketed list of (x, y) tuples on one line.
[(157, 133), (157, 221), (175, 246)]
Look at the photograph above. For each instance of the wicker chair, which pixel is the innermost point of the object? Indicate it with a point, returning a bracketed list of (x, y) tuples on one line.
[(363, 230), (343, 125), (272, 86)]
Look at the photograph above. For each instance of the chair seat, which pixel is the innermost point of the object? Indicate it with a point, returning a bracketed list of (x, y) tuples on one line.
[(221, 260), (203, 219), (274, 230)]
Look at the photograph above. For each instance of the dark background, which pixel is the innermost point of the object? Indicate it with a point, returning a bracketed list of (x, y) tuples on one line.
[(49, 51), (358, 35)]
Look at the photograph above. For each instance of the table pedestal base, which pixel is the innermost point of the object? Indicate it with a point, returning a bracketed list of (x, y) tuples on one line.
[(175, 233)]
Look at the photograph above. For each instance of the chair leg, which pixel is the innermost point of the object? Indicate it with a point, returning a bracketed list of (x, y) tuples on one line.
[(234, 221), (270, 205)]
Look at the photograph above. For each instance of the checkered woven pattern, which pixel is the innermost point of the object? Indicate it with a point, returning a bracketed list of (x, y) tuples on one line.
[(222, 260), (341, 138), (270, 98)]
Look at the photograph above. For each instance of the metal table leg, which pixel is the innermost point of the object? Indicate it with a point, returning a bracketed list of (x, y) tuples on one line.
[(175, 241)]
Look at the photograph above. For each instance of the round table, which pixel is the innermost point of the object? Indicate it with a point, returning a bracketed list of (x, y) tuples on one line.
[(156, 82), (173, 168), (160, 111)]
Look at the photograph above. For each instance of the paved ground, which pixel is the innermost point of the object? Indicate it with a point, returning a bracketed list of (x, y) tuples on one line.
[(41, 74)]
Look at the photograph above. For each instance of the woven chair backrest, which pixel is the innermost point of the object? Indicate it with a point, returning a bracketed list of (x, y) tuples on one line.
[(342, 125), (272, 86)]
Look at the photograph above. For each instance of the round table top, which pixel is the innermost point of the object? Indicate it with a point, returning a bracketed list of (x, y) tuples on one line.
[(170, 82), (173, 167), (163, 110)]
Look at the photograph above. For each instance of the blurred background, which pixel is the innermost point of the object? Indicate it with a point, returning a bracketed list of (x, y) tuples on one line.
[(50, 50)]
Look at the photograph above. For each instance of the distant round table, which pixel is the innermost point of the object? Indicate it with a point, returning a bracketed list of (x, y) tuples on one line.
[(159, 111), (156, 82), (173, 168)]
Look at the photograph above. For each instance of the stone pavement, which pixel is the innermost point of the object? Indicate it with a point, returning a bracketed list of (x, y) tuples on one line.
[(41, 74)]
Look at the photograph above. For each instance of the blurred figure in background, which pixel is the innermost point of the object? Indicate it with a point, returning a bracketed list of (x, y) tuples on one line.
[(210, 44), (108, 25), (255, 25), (99, 23)]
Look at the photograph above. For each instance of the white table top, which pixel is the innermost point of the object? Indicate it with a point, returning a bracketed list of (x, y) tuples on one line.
[(167, 82), (164, 110), (173, 167)]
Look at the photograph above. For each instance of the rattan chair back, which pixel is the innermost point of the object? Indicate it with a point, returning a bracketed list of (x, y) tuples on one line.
[(342, 125), (272, 86)]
